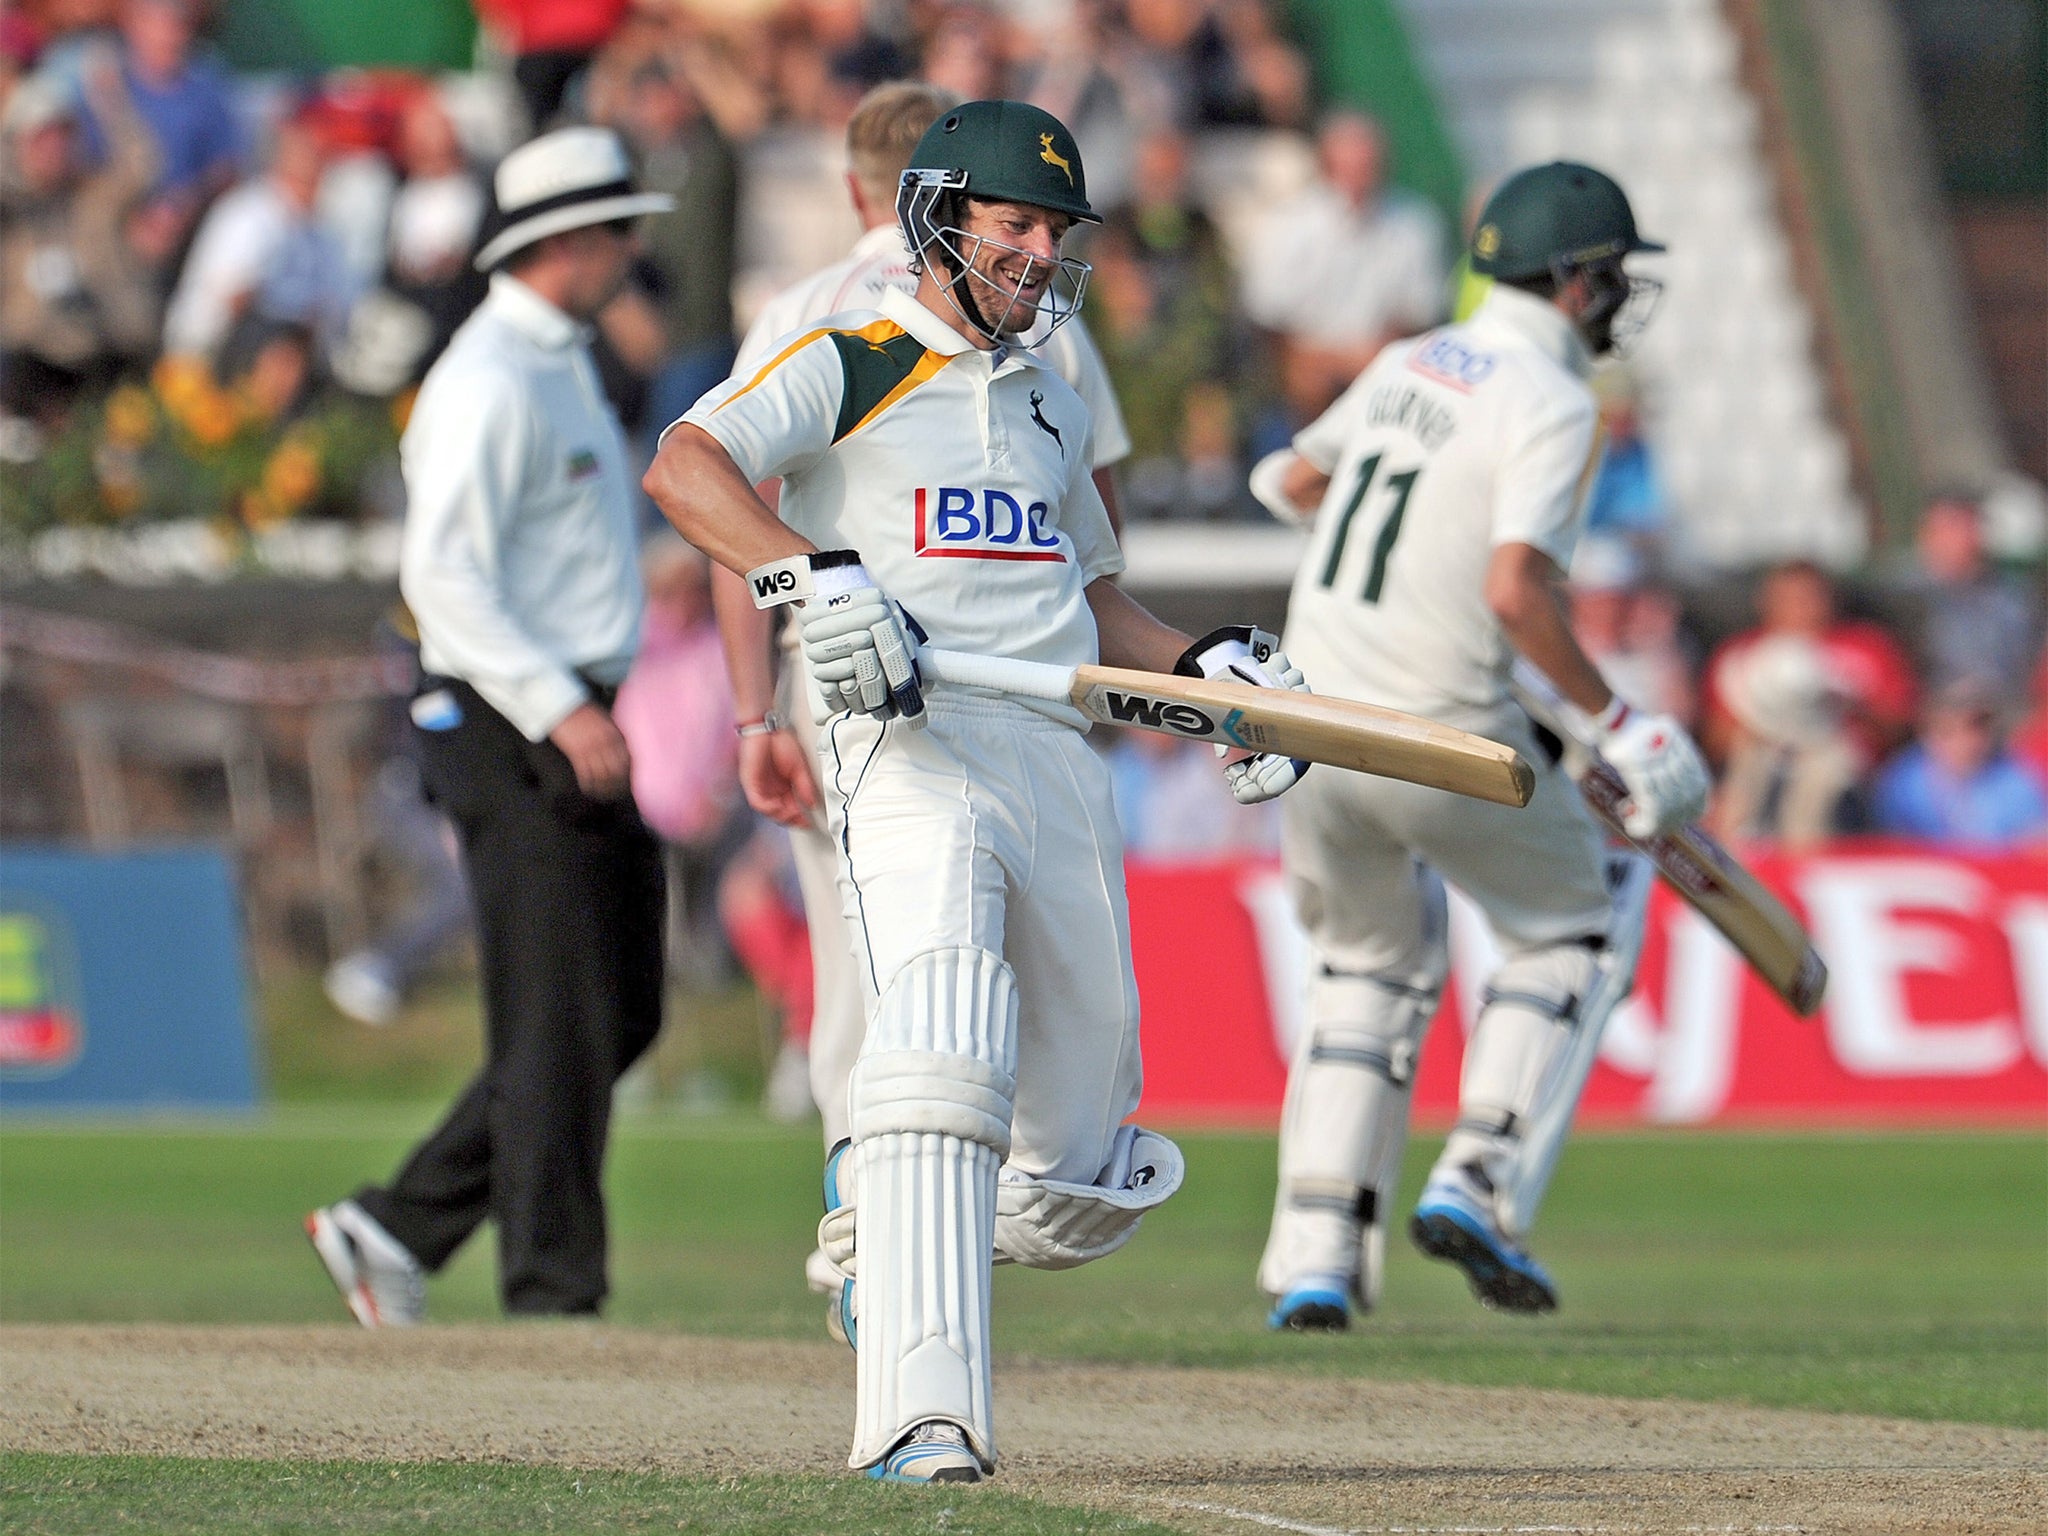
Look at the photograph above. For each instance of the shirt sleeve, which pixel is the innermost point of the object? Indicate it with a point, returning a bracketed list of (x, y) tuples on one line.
[(465, 454), (1322, 441), (236, 242), (1086, 520), (1071, 353), (782, 416), (1551, 454)]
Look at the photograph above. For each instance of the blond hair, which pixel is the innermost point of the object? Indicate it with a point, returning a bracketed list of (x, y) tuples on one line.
[(884, 130)]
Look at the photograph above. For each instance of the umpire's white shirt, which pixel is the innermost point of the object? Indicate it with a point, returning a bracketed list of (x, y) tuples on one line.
[(519, 559)]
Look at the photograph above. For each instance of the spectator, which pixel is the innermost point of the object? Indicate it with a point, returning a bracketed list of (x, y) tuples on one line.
[(675, 711), (187, 103), (551, 43), (1957, 784), (1344, 268), (1173, 804), (1164, 352), (370, 985), (1792, 769), (1868, 670), (263, 253), (964, 54), (76, 298), (2030, 741), (436, 216), (1219, 65), (1090, 76), (1628, 499), (1972, 622), (684, 150), (1630, 629)]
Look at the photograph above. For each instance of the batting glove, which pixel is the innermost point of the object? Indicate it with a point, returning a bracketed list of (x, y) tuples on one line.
[(1666, 779), (1244, 653), (857, 642)]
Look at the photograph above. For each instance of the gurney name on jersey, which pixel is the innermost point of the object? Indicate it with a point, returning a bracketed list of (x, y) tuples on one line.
[(962, 523)]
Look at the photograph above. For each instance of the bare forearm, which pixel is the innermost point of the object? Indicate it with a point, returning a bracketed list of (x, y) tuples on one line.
[(1525, 590), (748, 635), (702, 492), (1128, 634)]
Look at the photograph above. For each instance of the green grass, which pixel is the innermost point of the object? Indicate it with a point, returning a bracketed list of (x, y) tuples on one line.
[(90, 1495), (1897, 1275)]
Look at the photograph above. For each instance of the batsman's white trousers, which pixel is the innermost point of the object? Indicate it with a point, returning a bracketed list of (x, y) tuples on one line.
[(1347, 841), (838, 1009), (993, 827)]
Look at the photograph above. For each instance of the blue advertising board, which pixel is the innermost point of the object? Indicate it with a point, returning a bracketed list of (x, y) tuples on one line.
[(122, 984)]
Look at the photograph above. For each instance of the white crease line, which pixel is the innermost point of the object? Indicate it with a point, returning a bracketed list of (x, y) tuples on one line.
[(1300, 1528), (1271, 1522)]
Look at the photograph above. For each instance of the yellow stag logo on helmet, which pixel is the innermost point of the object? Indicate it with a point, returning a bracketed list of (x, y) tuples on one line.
[(1052, 156)]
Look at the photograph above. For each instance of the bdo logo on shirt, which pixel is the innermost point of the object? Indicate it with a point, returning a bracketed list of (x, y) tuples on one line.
[(966, 524)]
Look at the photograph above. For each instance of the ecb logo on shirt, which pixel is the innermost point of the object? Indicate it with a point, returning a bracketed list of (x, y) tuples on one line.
[(957, 522), (1448, 361)]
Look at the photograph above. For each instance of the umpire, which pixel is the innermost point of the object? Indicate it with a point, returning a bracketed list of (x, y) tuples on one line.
[(519, 564)]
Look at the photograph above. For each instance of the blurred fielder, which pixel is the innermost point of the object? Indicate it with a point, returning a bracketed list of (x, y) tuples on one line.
[(778, 733), (1446, 488), (923, 453)]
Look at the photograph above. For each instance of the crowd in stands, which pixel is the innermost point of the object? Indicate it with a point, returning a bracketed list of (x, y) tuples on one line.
[(301, 238)]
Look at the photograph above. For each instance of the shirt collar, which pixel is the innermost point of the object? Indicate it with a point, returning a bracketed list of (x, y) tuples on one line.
[(533, 316), (882, 240), (939, 337), (1539, 322), (927, 327)]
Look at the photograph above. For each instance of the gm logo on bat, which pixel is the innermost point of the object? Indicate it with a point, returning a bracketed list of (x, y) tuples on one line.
[(1179, 717)]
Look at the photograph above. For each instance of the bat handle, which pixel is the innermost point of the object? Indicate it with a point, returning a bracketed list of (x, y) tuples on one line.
[(1000, 674)]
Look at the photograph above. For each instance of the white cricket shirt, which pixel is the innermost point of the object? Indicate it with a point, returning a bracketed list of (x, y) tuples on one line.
[(519, 558), (1449, 444), (961, 476), (880, 262)]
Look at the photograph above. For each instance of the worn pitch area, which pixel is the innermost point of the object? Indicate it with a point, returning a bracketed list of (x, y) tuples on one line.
[(1202, 1450)]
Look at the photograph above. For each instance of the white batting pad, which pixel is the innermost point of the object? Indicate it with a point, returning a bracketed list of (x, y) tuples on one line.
[(1344, 1127), (1533, 1046), (931, 1103), (1053, 1224), (1522, 1182)]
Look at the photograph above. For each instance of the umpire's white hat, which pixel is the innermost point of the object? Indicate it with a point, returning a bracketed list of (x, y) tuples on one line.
[(564, 180)]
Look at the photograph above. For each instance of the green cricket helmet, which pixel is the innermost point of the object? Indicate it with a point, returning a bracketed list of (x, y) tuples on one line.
[(1552, 216), (998, 151), (1552, 221)]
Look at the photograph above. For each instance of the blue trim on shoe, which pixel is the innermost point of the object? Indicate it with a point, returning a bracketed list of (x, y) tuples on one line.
[(1501, 1275), (1311, 1309), (905, 1464)]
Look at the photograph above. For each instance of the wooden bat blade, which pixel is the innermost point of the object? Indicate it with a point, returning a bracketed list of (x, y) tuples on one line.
[(1695, 865), (1340, 732)]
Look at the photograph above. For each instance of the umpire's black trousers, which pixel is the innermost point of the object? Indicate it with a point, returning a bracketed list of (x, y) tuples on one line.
[(569, 905)]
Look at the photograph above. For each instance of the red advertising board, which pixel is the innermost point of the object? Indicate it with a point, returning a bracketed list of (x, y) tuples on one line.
[(1936, 1011)]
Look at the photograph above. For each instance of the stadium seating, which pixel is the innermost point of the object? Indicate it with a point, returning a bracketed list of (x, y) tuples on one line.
[(1650, 90)]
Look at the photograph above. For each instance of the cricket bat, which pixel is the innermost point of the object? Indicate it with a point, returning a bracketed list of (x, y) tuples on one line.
[(1362, 737), (1691, 861)]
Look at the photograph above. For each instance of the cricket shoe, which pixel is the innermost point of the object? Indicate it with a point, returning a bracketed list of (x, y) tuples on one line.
[(934, 1452), (383, 1284), (841, 1318), (1313, 1304), (1451, 1223)]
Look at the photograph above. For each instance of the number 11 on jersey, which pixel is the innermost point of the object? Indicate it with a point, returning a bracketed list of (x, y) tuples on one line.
[(1390, 530)]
